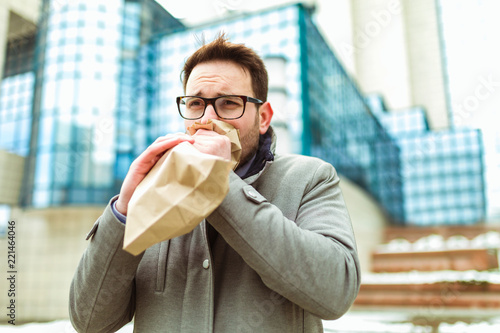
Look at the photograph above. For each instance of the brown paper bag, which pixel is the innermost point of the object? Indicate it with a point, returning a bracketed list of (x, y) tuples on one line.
[(182, 189), (222, 128)]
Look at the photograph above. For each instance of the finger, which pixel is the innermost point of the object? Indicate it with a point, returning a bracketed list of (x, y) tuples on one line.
[(151, 155), (168, 142), (170, 136)]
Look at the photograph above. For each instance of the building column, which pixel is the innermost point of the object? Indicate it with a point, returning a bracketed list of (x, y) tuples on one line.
[(379, 48), (4, 29), (276, 67), (335, 22), (428, 87)]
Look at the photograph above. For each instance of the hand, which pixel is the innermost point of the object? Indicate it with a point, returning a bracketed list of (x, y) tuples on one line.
[(210, 142), (144, 163)]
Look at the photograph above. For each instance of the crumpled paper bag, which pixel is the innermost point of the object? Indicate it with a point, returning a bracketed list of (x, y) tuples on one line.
[(182, 189), (222, 128)]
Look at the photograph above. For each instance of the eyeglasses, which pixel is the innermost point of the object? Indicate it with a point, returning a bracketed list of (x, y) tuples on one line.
[(226, 107)]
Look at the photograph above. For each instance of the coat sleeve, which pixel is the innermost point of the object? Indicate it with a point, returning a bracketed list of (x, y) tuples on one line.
[(102, 290), (312, 259)]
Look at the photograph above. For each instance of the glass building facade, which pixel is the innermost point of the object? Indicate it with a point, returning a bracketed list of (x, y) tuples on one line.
[(103, 86), (16, 96), (84, 110), (342, 128), (16, 100), (442, 172)]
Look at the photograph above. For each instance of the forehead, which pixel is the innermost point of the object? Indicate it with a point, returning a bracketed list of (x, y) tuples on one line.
[(219, 77)]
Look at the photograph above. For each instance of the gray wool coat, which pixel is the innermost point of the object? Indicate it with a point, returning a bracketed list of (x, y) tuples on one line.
[(284, 258)]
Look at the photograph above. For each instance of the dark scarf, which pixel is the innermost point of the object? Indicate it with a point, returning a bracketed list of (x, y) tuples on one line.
[(263, 155)]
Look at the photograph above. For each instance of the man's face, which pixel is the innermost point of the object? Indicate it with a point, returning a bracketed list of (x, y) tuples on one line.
[(218, 78)]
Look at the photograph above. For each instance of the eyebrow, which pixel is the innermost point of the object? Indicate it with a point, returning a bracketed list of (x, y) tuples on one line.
[(219, 93)]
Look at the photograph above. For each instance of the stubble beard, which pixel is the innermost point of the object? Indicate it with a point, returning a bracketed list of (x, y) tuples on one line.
[(250, 143)]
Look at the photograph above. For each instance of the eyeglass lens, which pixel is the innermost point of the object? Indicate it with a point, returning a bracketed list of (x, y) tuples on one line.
[(226, 107)]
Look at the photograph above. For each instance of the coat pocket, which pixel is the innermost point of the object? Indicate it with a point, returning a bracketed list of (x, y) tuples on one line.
[(161, 268)]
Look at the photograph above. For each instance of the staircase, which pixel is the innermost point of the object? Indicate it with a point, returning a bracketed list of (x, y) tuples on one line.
[(435, 274)]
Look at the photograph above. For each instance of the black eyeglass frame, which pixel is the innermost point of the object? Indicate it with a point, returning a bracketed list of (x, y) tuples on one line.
[(211, 101)]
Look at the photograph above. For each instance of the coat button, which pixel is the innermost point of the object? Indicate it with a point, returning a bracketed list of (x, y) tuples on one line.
[(206, 264), (252, 194)]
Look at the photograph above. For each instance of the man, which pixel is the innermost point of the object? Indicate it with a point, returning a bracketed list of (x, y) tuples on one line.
[(278, 255)]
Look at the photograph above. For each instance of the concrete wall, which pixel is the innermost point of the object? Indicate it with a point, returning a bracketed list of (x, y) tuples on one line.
[(49, 244), (4, 29), (11, 177), (27, 9), (368, 220)]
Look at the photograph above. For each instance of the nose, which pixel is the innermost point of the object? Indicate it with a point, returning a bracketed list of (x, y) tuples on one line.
[(209, 114)]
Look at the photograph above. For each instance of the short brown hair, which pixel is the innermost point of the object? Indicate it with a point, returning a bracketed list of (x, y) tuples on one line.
[(222, 49)]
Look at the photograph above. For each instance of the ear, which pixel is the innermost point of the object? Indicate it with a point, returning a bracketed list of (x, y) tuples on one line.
[(265, 115)]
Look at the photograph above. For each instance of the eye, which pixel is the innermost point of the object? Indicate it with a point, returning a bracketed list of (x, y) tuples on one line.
[(194, 102), (231, 102)]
